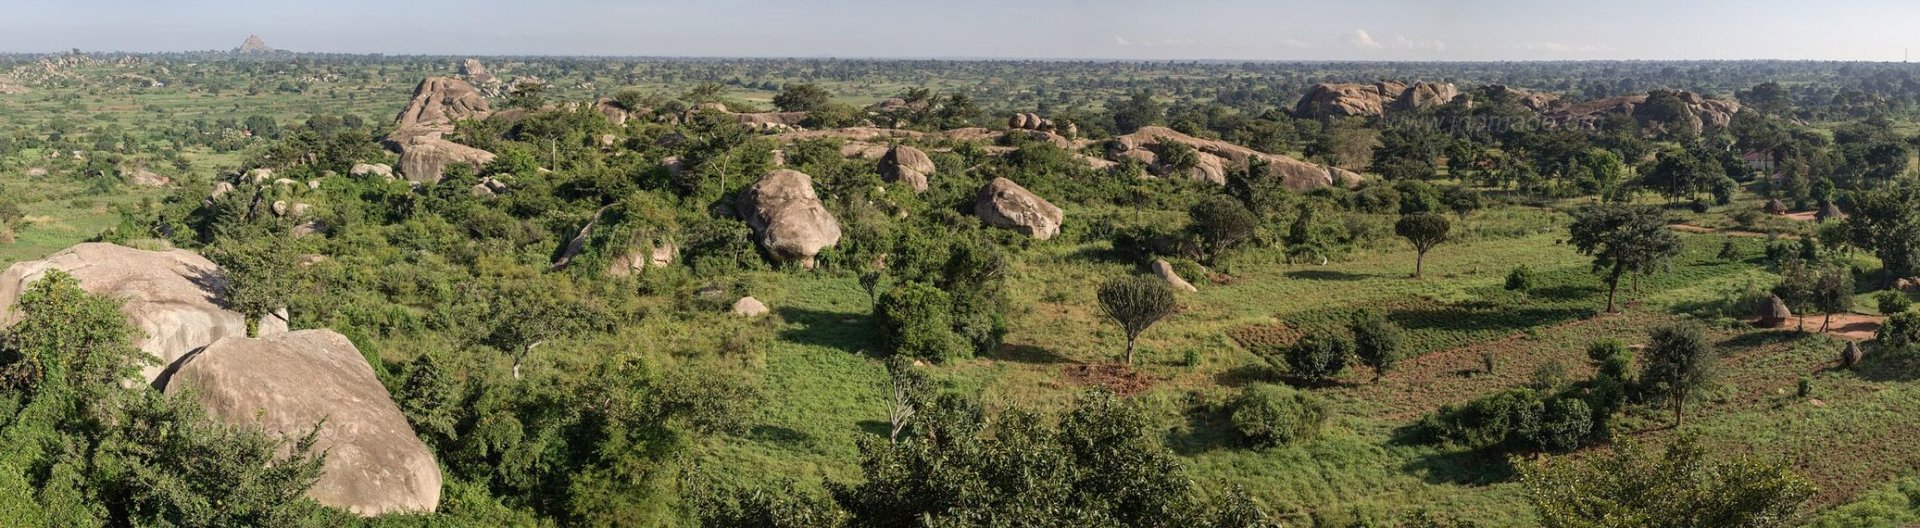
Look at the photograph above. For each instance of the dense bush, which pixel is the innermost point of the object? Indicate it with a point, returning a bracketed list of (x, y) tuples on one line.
[(915, 320), (1272, 415), (1318, 358)]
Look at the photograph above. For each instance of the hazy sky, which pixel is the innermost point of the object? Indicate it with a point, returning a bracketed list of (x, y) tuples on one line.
[(1115, 29)]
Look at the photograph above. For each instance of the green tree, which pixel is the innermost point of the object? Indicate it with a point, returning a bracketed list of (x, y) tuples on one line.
[(803, 97), (1680, 362), (1623, 239), (527, 95), (1378, 342), (915, 320), (1273, 415), (1424, 231), (1136, 303), (262, 273), (1317, 358), (1632, 488), (1222, 225)]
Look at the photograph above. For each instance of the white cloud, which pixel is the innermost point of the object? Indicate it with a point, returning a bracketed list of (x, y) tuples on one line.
[(1296, 43), (1119, 40), (1360, 39), (1402, 42)]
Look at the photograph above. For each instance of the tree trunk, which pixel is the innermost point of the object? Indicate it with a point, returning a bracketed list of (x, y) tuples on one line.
[(1419, 264), (1678, 418), (1613, 286), (1826, 321), (1130, 350)]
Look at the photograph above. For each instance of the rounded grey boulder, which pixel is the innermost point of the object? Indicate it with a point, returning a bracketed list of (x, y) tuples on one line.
[(287, 383)]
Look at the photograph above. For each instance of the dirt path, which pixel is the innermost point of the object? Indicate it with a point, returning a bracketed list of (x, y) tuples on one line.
[(1850, 326)]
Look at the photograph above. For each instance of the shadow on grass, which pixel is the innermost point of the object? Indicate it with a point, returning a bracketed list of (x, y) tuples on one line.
[(1759, 339), (1566, 292), (840, 330), (777, 435), (1244, 375), (878, 428), (1466, 467), (1023, 353), (1883, 365), (1460, 319), (1327, 275), (1207, 430)]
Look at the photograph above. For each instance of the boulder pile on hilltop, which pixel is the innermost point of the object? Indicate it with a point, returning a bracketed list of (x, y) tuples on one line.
[(1151, 143), (1340, 100), (438, 102)]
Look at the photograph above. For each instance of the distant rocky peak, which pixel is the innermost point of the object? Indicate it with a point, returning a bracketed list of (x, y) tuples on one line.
[(253, 44)]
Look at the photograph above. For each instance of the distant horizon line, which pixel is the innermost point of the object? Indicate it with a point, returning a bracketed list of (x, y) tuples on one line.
[(954, 58)]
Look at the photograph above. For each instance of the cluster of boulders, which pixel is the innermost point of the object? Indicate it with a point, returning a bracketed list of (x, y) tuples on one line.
[(1041, 124), (1697, 112), (1150, 144), (285, 382), (438, 103), (1339, 100), (906, 165)]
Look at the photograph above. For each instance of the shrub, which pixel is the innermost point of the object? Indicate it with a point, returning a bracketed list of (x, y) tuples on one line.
[(1892, 302), (1900, 331), (1317, 358), (1566, 423), (916, 320), (1222, 224), (1729, 251), (1600, 351), (1520, 279), (1377, 341), (1273, 415)]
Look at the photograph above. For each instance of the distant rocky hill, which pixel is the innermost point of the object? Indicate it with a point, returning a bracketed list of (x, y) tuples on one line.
[(253, 44)]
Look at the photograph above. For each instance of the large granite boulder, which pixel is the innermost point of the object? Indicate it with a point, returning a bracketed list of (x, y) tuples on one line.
[(438, 103), (1005, 204), (906, 165), (787, 217), (441, 101), (289, 382), (173, 297)]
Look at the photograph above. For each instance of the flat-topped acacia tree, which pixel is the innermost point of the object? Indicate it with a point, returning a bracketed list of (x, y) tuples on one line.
[(1425, 231)]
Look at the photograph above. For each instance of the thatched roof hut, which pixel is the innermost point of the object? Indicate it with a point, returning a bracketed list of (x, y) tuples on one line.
[(1829, 211), (1773, 312), (1775, 207), (1851, 355)]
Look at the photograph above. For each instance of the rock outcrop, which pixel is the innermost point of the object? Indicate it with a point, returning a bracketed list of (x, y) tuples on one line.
[(288, 383), (371, 169), (438, 103), (1693, 113), (1165, 272), (173, 297), (425, 159), (787, 217), (1340, 100), (749, 307), (907, 165), (1215, 157), (254, 44), (1005, 204)]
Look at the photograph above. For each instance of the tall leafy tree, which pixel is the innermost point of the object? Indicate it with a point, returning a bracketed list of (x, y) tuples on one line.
[(1425, 231), (1623, 239), (1680, 362)]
